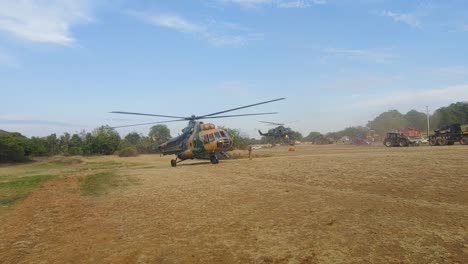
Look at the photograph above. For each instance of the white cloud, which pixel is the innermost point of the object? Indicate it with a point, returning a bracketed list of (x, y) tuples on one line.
[(248, 3), (276, 3), (447, 94), (363, 54), (47, 21), (184, 25), (175, 22), (407, 18), (299, 3)]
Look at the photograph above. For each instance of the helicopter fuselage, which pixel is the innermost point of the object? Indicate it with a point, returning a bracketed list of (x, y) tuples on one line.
[(198, 140), (277, 132)]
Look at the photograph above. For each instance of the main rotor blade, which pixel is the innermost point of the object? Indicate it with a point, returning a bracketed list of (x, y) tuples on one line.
[(271, 123), (272, 113), (131, 113), (237, 108), (142, 124)]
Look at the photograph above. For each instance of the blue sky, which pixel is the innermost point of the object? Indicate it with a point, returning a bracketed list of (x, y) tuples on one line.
[(65, 64)]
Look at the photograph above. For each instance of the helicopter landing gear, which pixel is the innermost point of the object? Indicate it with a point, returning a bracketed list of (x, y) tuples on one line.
[(214, 159), (173, 162)]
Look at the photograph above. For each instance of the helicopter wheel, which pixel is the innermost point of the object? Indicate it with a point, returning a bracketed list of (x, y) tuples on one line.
[(214, 159), (173, 163)]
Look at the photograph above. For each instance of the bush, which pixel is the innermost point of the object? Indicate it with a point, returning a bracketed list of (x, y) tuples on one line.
[(128, 152), (12, 147), (75, 151)]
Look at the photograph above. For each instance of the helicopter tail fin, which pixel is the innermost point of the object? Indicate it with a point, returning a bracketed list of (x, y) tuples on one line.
[(260, 132)]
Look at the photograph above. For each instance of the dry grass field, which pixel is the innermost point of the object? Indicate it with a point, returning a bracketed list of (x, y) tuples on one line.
[(318, 204)]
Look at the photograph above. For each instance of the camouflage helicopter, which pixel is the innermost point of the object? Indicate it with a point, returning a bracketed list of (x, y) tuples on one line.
[(198, 140), (278, 132)]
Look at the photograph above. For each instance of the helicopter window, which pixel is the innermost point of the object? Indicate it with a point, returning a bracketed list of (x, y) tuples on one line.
[(206, 139), (217, 135), (223, 134), (212, 138)]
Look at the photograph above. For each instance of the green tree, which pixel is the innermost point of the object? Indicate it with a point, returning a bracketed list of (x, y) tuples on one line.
[(388, 121), (12, 147), (88, 142), (145, 145), (39, 146), (106, 140), (296, 136), (159, 133), (312, 135), (238, 141), (417, 120), (133, 138), (75, 145), (454, 113), (353, 132), (64, 143), (52, 144)]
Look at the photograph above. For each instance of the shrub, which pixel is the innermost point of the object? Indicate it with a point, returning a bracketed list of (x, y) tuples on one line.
[(128, 152)]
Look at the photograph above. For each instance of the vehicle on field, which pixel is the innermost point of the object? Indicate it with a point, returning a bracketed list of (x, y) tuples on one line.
[(448, 135), (280, 133), (409, 132), (361, 141), (198, 140), (418, 140), (396, 139)]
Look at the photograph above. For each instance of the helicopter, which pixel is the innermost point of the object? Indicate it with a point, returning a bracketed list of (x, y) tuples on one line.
[(198, 140), (278, 132)]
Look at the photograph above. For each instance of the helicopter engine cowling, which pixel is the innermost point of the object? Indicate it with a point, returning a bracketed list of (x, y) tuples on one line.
[(207, 126)]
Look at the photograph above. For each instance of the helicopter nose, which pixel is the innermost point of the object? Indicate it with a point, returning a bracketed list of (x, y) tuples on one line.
[(224, 143)]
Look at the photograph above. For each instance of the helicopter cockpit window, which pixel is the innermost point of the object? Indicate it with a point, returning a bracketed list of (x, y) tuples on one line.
[(217, 135), (212, 138), (223, 134), (206, 139)]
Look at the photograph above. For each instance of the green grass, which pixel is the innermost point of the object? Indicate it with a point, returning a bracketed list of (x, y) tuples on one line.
[(100, 183), (4, 177), (43, 166), (13, 189), (110, 164)]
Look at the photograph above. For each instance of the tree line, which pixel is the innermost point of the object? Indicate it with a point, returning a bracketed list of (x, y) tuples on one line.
[(393, 119), (105, 140)]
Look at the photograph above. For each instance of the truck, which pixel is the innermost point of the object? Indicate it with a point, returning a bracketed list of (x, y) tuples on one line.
[(448, 135), (397, 139)]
